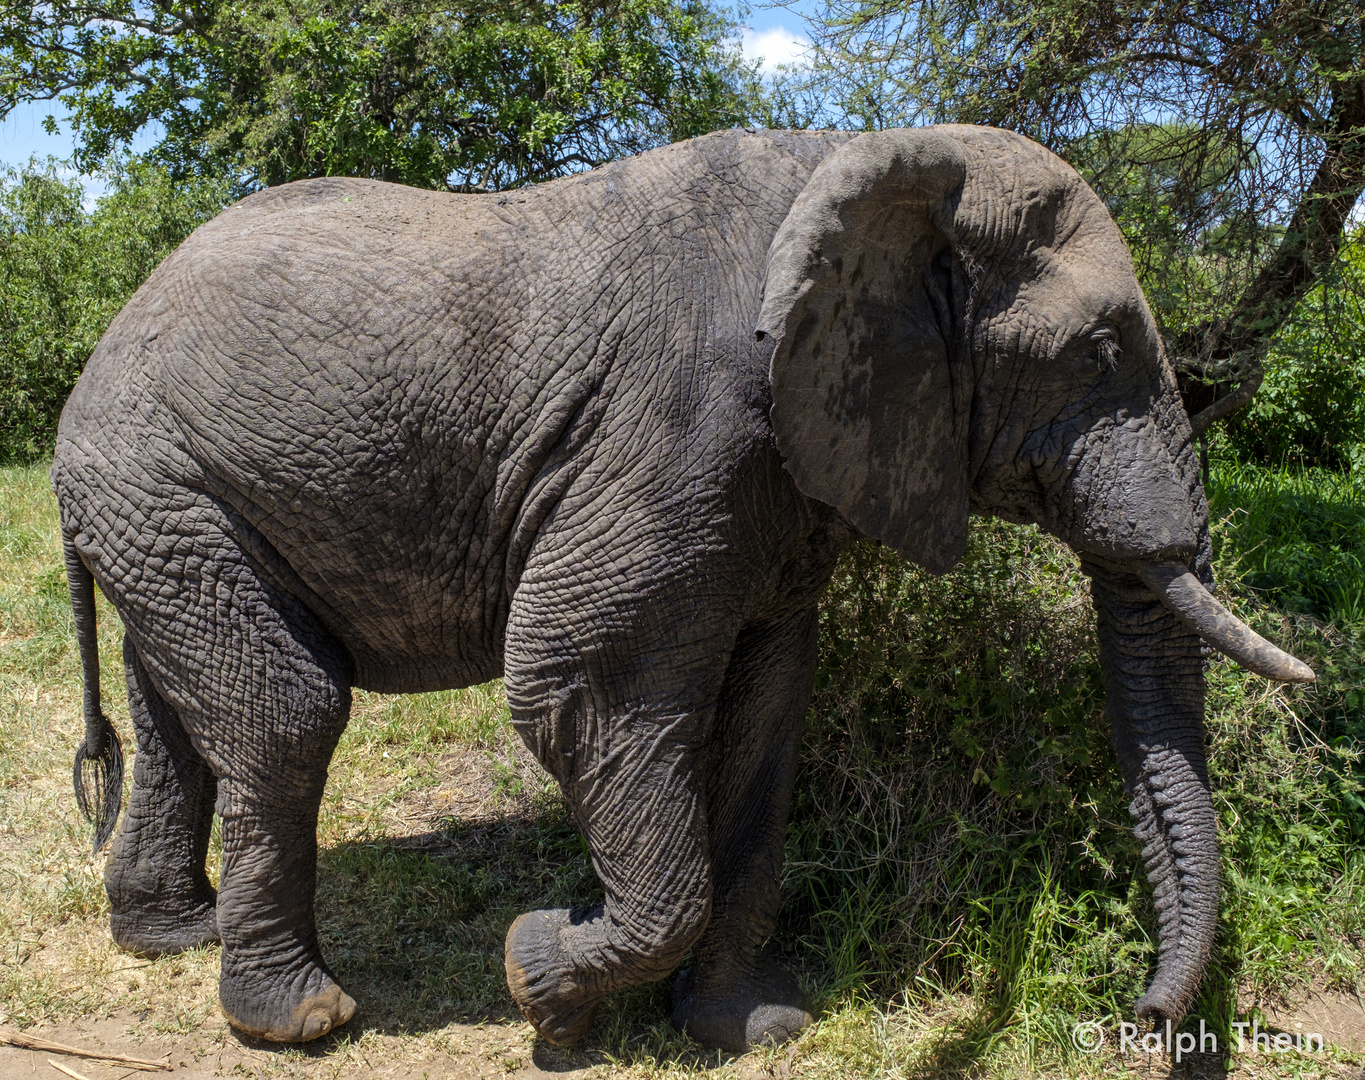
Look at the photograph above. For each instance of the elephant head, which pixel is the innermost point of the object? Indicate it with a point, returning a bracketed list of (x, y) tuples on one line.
[(958, 327)]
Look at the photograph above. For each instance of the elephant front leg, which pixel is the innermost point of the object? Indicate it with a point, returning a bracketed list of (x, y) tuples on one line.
[(644, 820), (734, 996), (621, 721)]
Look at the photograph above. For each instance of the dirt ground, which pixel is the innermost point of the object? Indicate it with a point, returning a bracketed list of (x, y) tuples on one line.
[(497, 1051), (216, 1051), (1339, 1018)]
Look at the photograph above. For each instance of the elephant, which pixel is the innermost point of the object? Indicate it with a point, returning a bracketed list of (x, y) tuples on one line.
[(606, 437)]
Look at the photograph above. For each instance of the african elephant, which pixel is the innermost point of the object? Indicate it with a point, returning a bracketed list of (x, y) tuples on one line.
[(606, 437)]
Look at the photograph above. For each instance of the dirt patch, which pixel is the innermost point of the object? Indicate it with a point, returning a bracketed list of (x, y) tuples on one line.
[(476, 786), (460, 1052), (1337, 1016)]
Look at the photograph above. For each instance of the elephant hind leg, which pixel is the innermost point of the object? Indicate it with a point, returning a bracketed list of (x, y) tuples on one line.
[(284, 706), (160, 897), (263, 691), (733, 996)]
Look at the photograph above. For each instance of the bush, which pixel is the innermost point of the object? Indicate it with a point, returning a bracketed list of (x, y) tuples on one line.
[(960, 826), (64, 274), (1311, 410)]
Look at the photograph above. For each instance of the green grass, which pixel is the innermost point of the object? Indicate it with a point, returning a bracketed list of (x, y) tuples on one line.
[(961, 882), (1294, 537)]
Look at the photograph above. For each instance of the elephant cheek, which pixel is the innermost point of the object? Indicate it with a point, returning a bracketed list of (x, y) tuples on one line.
[(1154, 688)]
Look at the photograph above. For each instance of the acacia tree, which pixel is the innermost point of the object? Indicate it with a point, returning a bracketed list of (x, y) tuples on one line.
[(478, 95), (1239, 124)]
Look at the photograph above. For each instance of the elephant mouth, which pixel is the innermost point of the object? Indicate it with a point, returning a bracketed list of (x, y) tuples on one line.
[(1184, 595)]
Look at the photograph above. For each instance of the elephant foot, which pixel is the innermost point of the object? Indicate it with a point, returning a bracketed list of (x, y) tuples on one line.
[(764, 1008), (301, 1006), (155, 933), (540, 978), (151, 917)]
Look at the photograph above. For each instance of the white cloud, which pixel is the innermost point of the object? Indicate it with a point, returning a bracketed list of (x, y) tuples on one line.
[(777, 45)]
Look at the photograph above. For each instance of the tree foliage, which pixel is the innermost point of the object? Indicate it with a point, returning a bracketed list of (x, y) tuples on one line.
[(1178, 206), (65, 272), (1247, 116), (486, 94)]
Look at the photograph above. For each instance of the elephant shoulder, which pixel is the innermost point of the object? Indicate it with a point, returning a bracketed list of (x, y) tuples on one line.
[(747, 143), (758, 164)]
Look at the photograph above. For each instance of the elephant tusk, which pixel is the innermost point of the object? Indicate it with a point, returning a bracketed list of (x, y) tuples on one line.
[(1184, 595)]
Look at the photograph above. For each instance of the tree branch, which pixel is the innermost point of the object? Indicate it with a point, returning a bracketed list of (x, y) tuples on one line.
[(1228, 404), (1307, 251), (1314, 233)]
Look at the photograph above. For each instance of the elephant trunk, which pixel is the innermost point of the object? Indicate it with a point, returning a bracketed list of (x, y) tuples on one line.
[(1154, 685)]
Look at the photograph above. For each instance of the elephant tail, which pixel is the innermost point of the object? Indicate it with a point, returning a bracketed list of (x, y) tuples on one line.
[(98, 771)]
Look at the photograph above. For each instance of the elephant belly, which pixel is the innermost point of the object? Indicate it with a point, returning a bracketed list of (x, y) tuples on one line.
[(414, 647), (474, 663), (413, 616)]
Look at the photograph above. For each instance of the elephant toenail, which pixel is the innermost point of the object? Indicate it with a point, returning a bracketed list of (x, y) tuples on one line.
[(319, 1022)]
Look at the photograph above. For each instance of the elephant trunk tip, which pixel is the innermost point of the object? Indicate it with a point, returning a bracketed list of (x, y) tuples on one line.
[(1159, 1005), (1184, 594)]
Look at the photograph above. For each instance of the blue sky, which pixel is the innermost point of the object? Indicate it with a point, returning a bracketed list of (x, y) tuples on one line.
[(22, 135)]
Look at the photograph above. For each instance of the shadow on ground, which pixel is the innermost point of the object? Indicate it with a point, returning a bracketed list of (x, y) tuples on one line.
[(413, 927)]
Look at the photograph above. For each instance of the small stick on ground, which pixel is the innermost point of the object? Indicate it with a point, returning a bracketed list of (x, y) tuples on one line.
[(69, 1072), (32, 1042)]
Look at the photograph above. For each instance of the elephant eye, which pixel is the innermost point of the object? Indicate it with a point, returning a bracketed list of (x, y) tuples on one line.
[(1101, 353)]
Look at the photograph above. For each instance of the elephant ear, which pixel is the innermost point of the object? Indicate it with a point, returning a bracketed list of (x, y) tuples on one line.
[(871, 384)]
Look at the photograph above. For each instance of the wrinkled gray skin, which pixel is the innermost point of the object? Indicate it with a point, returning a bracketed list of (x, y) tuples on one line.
[(353, 434)]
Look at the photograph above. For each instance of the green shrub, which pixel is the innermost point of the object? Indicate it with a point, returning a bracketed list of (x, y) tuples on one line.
[(64, 274), (1311, 410), (960, 825)]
